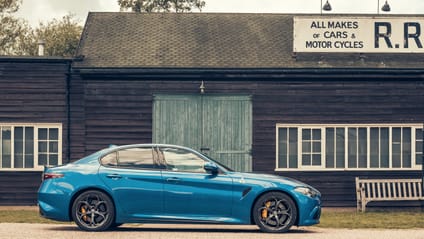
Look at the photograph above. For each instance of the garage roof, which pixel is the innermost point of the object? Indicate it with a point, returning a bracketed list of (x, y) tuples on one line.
[(210, 40)]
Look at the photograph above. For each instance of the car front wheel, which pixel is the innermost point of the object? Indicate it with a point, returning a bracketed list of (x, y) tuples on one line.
[(93, 211), (274, 212)]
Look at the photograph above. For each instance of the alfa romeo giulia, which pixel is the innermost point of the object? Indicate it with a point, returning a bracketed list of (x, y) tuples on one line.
[(155, 183)]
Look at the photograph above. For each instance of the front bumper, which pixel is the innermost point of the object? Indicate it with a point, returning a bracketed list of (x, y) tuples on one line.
[(309, 211)]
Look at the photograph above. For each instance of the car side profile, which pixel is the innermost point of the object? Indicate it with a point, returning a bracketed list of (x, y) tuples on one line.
[(156, 183)]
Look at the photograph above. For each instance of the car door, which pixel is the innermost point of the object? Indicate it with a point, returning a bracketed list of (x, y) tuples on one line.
[(135, 180), (190, 192)]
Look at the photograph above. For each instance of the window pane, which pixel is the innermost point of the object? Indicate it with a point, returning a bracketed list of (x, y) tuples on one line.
[(340, 147), (306, 134), (419, 140), (19, 147), (53, 147), (418, 146), (53, 134), (29, 147), (306, 147), (29, 160), (374, 147), (19, 161), (316, 134), (396, 156), (316, 147), (396, 148), (306, 160), (282, 148), (136, 158), (316, 159), (293, 140), (42, 159), (362, 147), (329, 148), (406, 148), (182, 160), (384, 148), (419, 134), (53, 159), (110, 159), (6, 145), (352, 148), (42, 147), (42, 134)]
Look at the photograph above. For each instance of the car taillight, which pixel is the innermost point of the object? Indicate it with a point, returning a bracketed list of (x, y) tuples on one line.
[(52, 175)]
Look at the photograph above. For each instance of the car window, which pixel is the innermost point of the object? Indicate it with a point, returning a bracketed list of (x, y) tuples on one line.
[(136, 158), (139, 158), (110, 160), (182, 160)]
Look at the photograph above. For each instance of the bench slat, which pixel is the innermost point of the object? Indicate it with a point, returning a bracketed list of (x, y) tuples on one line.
[(387, 190)]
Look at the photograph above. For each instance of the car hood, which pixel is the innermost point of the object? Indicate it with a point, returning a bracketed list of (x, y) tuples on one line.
[(270, 178)]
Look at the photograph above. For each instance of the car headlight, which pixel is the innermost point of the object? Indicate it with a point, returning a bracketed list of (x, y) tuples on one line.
[(306, 191)]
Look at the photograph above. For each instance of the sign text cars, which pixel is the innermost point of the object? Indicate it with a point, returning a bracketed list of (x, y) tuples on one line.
[(358, 34)]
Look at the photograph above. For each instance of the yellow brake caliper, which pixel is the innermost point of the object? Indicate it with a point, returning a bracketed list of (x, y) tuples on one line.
[(83, 211), (265, 210)]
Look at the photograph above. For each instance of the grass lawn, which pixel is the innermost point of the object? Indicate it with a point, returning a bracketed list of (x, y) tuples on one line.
[(329, 219), (384, 220)]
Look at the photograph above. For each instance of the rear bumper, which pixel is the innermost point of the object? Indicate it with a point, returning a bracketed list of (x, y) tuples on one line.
[(53, 203)]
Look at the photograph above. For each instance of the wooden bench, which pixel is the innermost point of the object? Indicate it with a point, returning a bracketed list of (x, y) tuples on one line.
[(368, 190)]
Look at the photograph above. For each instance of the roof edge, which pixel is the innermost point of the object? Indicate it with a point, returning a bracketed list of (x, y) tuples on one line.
[(251, 73), (35, 59)]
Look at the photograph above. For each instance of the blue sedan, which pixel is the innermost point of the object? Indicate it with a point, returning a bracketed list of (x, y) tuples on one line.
[(154, 183)]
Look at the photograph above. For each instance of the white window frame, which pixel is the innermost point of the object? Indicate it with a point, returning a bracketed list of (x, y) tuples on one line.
[(36, 126), (300, 148), (323, 128)]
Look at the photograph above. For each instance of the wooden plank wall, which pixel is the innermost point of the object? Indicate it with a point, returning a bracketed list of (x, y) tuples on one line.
[(119, 111), (31, 91)]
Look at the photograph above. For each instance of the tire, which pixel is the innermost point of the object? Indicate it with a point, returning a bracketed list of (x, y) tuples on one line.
[(93, 211), (274, 212)]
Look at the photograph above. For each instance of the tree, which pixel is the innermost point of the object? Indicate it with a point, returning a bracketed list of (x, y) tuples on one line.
[(18, 38), (161, 5), (13, 31), (61, 37)]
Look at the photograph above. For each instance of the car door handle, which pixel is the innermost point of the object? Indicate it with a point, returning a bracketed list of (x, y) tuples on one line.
[(173, 180), (114, 176)]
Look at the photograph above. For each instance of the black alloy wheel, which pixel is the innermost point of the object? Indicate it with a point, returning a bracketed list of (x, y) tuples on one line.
[(274, 212), (93, 211)]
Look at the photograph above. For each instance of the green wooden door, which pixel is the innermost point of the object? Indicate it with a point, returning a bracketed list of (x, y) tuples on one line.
[(220, 126)]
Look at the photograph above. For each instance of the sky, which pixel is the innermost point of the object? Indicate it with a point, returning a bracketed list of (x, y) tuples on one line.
[(36, 11)]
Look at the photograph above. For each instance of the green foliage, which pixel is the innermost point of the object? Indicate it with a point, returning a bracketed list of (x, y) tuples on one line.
[(9, 6), (161, 5), (61, 37), (13, 31), (18, 38)]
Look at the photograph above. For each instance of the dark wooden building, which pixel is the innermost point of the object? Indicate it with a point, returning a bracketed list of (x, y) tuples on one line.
[(34, 119), (231, 85)]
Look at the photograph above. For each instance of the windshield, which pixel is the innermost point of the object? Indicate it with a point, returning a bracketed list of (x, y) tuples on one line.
[(219, 164)]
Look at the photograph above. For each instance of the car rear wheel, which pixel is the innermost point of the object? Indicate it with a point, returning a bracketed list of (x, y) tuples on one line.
[(274, 212), (93, 211)]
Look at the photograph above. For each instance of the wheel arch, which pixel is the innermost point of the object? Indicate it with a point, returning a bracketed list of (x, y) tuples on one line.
[(83, 190), (270, 191)]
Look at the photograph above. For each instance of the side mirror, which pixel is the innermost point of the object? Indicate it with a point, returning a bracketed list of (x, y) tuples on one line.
[(211, 168)]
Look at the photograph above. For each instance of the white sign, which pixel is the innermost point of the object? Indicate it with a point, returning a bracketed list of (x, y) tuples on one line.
[(358, 34)]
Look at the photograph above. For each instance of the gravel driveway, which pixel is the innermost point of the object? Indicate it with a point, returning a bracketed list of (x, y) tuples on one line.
[(167, 231)]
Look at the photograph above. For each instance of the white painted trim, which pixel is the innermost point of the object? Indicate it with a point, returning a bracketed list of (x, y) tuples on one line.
[(368, 127), (36, 126)]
